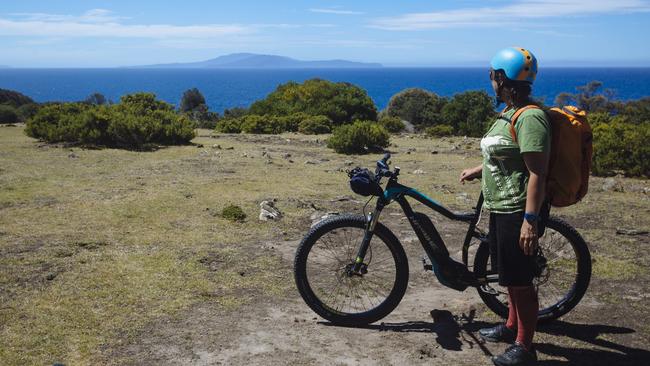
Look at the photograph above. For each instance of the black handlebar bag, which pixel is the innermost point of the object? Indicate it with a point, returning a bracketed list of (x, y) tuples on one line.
[(362, 182)]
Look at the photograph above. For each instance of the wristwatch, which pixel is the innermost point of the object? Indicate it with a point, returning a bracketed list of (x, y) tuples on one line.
[(531, 217)]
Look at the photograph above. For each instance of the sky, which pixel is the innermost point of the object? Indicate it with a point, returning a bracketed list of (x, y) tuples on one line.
[(92, 33)]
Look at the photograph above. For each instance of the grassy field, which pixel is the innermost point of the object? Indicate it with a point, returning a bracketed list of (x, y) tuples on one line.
[(95, 244)]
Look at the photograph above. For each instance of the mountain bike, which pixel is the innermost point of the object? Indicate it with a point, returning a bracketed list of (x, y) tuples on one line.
[(351, 269)]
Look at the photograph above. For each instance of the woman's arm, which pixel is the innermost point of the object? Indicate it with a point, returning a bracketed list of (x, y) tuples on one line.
[(537, 164), (471, 173)]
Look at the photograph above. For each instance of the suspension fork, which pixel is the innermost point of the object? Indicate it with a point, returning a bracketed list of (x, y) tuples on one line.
[(371, 222)]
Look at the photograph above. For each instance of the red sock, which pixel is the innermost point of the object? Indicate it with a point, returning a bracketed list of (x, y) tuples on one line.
[(527, 306), (511, 323)]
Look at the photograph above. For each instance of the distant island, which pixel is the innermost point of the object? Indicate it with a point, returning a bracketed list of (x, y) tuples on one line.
[(257, 61)]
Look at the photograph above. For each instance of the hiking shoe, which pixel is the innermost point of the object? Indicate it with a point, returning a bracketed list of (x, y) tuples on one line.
[(500, 333), (516, 355)]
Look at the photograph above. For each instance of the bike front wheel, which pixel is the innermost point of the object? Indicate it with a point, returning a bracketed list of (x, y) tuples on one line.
[(562, 281), (322, 270)]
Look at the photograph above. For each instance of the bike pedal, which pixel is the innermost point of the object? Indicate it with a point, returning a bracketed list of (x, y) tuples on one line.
[(489, 290)]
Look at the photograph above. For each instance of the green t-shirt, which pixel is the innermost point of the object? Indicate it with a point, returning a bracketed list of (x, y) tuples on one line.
[(505, 175)]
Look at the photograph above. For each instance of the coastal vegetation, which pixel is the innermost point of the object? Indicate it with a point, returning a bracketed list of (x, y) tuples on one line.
[(317, 106), (139, 121)]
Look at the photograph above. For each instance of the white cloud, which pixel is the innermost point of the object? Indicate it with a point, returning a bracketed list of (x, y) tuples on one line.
[(335, 11), (103, 23), (498, 16)]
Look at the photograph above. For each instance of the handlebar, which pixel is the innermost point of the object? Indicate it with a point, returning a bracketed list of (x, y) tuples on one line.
[(383, 169)]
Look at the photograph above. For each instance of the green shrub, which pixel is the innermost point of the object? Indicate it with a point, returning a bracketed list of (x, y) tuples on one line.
[(233, 213), (621, 147), (340, 102), (439, 131), (8, 114), (469, 113), (27, 111), (139, 120), (418, 106), (314, 125), (229, 125), (253, 123), (358, 138), (292, 122), (391, 124)]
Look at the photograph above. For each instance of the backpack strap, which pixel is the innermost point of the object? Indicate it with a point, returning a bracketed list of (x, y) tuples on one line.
[(513, 120)]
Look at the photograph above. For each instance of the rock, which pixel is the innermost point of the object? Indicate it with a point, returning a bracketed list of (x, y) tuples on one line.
[(73, 156), (631, 232), (268, 211), (434, 152), (199, 145), (612, 185), (419, 171), (462, 196), (348, 162), (286, 156), (313, 162), (230, 148), (215, 146), (50, 276)]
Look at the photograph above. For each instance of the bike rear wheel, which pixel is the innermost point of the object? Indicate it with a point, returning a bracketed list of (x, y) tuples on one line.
[(322, 271), (561, 285)]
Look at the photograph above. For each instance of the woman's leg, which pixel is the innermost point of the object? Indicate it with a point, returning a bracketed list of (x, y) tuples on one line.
[(527, 306), (512, 322)]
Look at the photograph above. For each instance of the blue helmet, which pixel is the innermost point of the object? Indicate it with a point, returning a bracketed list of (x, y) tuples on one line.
[(517, 63)]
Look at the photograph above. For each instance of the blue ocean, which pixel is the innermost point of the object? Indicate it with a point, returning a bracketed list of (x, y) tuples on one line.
[(239, 88)]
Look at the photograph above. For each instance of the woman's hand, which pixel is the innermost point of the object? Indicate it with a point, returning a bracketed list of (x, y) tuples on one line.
[(528, 237), (471, 174)]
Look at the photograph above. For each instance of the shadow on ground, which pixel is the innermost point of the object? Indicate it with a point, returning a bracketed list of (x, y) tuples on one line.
[(453, 331)]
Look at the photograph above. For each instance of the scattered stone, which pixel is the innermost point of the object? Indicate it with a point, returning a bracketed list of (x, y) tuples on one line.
[(286, 156), (462, 196), (268, 211), (230, 148), (313, 162), (419, 171), (216, 146), (434, 152), (612, 184), (348, 162), (291, 161), (199, 145), (50, 276), (73, 156), (631, 232), (344, 199), (244, 155)]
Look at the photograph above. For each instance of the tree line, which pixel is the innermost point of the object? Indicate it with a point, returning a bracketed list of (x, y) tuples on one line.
[(621, 128)]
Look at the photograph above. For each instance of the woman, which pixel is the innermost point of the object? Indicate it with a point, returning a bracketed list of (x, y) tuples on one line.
[(513, 184)]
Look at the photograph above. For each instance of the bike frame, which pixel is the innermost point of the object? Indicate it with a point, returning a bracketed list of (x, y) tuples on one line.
[(430, 239)]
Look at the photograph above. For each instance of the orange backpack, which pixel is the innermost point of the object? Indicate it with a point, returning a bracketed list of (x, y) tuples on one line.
[(571, 149)]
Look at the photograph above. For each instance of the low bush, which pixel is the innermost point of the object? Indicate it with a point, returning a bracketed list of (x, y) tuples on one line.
[(314, 125), (139, 120), (229, 125), (439, 131), (8, 114), (233, 213), (391, 124), (27, 111), (621, 148), (358, 138)]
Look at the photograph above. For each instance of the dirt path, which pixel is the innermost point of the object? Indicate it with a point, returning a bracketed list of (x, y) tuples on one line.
[(432, 325)]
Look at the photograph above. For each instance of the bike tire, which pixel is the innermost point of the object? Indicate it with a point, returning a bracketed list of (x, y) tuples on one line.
[(572, 297), (381, 235)]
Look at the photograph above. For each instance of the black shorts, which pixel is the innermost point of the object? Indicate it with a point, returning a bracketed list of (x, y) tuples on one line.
[(508, 259)]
